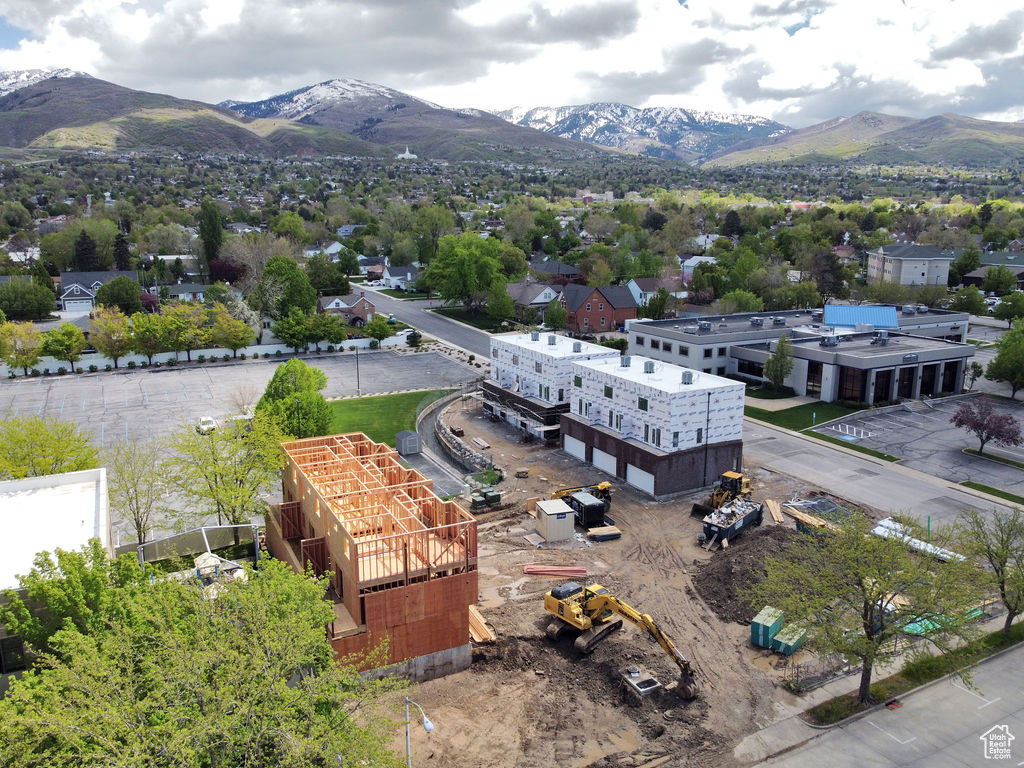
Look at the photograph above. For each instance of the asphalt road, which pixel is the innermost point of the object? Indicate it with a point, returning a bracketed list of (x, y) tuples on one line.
[(859, 479), (941, 726), (418, 314)]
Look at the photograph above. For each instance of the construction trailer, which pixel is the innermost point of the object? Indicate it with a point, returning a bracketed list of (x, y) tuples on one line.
[(401, 562)]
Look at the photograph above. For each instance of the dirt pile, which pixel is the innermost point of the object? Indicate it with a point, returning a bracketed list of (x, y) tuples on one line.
[(719, 579)]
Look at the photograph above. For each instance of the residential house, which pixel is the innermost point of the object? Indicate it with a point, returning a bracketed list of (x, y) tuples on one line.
[(241, 228), (1015, 246), (597, 309), (401, 278), (185, 291), (558, 272), (531, 299), (355, 308), (372, 266), (345, 231), (332, 249), (690, 264), (643, 289), (78, 289), (977, 276), (910, 264)]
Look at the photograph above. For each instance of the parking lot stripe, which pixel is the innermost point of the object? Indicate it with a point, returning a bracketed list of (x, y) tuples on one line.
[(84, 399), (902, 743), (62, 401)]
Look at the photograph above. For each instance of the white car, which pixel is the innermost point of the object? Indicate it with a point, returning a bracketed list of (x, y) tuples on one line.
[(206, 425), (405, 332)]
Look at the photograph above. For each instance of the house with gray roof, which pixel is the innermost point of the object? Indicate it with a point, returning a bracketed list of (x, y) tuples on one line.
[(78, 289)]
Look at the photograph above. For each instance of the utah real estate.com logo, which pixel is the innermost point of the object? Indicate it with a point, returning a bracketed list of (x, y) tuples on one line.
[(997, 740)]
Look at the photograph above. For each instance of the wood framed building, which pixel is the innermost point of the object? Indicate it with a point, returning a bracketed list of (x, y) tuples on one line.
[(402, 563)]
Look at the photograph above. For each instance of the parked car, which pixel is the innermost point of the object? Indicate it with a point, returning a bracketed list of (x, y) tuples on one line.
[(206, 425)]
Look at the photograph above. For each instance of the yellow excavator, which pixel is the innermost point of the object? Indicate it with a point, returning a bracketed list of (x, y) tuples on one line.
[(602, 490), (594, 612), (731, 485)]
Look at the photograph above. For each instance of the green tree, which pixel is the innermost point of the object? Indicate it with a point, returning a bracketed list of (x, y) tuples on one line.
[(21, 299), (136, 483), (973, 373), (86, 259), (858, 594), (110, 331), (228, 332), (804, 294), (656, 306), (41, 445), (969, 299), (289, 224), (555, 315), (499, 303), (186, 328), (780, 364), (740, 301), (122, 256), (1010, 308), (996, 540), (121, 292), (292, 329), (378, 328), (226, 472), (464, 270), (247, 679), (1008, 364), (999, 279), (968, 261), (432, 223), (41, 277), (293, 399), (211, 230), (65, 342), (287, 286), (20, 345), (326, 277), (291, 377), (323, 326), (149, 335)]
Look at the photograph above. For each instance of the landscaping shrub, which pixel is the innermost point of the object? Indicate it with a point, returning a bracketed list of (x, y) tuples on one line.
[(79, 370), (93, 368), (61, 371), (131, 363), (277, 353), (225, 358), (107, 367), (330, 348), (144, 364), (34, 372), (374, 344), (46, 371), (201, 359), (241, 356), (172, 361)]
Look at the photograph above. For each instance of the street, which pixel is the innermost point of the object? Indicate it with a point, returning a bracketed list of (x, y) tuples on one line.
[(418, 314)]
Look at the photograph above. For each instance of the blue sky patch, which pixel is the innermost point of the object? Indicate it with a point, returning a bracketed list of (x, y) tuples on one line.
[(10, 35)]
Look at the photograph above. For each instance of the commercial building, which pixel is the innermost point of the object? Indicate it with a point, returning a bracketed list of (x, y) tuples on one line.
[(910, 264), (660, 427), (402, 563), (739, 344), (530, 377)]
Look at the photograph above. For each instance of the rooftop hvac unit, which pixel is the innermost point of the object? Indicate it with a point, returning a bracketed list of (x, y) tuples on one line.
[(778, 321), (922, 309), (909, 310), (687, 377), (829, 341), (648, 366), (757, 322), (704, 325), (624, 361), (577, 346), (552, 340), (534, 335), (723, 325), (817, 314), (690, 329)]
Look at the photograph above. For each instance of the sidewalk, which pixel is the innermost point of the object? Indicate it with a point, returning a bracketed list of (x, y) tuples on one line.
[(778, 405)]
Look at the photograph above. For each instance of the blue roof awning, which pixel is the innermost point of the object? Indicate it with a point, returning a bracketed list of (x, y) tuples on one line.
[(847, 315)]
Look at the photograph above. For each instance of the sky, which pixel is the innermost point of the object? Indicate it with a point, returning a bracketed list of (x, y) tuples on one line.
[(797, 61)]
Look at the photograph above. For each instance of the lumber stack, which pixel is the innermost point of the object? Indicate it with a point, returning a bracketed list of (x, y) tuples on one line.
[(807, 519), (561, 571), (478, 629), (774, 510)]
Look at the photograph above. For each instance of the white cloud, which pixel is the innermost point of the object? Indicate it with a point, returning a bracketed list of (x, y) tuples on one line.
[(797, 60)]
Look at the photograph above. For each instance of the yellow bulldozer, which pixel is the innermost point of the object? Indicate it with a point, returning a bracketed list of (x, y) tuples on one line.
[(731, 485)]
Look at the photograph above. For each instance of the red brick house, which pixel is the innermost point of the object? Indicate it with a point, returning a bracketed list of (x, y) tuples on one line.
[(357, 310), (597, 310)]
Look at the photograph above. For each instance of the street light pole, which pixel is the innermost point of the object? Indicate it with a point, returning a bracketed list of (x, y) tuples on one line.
[(358, 393), (427, 726)]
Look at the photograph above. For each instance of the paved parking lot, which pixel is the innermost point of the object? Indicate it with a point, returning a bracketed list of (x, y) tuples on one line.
[(926, 441), (114, 406)]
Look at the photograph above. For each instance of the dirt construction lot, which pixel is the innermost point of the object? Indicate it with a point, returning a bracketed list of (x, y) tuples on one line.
[(529, 702)]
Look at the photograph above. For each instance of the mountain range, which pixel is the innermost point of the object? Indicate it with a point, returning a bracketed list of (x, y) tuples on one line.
[(63, 109)]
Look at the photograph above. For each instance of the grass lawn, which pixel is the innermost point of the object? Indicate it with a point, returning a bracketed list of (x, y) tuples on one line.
[(992, 457), (852, 446), (767, 393), (403, 294), (801, 417), (382, 416), (994, 492), (479, 320)]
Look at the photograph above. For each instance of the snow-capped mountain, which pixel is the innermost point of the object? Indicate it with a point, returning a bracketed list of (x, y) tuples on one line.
[(307, 102), (657, 131), (13, 81)]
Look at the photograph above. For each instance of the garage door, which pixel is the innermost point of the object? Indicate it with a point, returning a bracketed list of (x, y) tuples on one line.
[(604, 461), (640, 479), (575, 448), (79, 305)]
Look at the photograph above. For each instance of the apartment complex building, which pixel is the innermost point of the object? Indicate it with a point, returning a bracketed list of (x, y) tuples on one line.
[(910, 264)]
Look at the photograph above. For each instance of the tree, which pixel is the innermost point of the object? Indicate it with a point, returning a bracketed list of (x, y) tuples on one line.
[(983, 421), (656, 306), (76, 589), (973, 373), (555, 315), (20, 345), (121, 292), (432, 223), (969, 299), (326, 277), (227, 471), (122, 256), (227, 332), (41, 445), (858, 594), (324, 326), (292, 329), (211, 230), (41, 277), (186, 328), (110, 332), (732, 227), (499, 303), (1010, 308), (293, 399), (86, 259), (136, 482), (149, 334), (292, 287), (968, 261), (378, 328), (997, 540), (289, 224), (780, 364), (1008, 364), (65, 342), (464, 270), (246, 679), (22, 299), (740, 301), (999, 279)]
